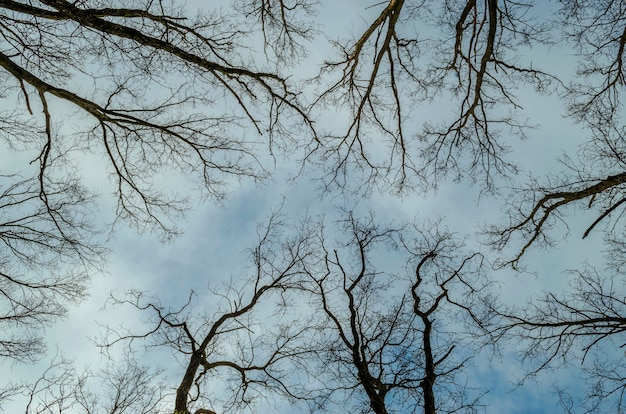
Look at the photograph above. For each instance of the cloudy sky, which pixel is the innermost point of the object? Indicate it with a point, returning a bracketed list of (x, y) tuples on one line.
[(212, 247)]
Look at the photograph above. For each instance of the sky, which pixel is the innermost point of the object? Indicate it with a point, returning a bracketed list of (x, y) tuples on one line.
[(212, 247)]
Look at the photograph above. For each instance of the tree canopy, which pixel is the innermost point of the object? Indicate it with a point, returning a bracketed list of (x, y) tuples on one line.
[(128, 115)]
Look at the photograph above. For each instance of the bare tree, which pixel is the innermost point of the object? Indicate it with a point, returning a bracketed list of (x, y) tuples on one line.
[(595, 177), (10, 391), (245, 344), (147, 89), (582, 327), (48, 252), (167, 94), (161, 94), (597, 30), (119, 387), (415, 51), (285, 25), (315, 325), (542, 207), (400, 343)]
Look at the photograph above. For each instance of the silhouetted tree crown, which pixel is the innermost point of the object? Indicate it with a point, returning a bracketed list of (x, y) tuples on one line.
[(136, 110)]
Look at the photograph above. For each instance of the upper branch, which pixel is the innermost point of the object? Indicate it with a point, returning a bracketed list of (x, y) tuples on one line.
[(532, 225)]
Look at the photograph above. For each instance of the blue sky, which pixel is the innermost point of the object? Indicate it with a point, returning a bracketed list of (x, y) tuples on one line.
[(213, 245)]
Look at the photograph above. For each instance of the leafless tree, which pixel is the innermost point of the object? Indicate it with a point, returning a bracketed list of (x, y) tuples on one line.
[(142, 86), (597, 30), (46, 256), (10, 391), (400, 343), (245, 344), (582, 327), (166, 93), (414, 51), (543, 206), (161, 94), (316, 325), (595, 178), (119, 387), (285, 25)]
